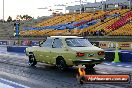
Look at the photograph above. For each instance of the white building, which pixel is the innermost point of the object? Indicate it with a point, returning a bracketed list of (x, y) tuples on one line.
[(75, 8), (108, 4), (93, 6)]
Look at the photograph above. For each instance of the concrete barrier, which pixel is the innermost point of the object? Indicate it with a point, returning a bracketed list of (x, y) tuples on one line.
[(124, 55), (17, 49), (110, 55)]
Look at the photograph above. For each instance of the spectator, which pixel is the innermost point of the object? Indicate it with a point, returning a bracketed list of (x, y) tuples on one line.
[(91, 33)]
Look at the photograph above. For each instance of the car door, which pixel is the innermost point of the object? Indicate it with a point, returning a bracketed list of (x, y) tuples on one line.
[(45, 50), (56, 50)]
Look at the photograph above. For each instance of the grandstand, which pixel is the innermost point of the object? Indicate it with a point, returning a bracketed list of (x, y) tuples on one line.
[(104, 23), (122, 31), (100, 19)]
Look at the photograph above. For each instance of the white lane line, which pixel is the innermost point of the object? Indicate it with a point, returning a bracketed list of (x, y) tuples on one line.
[(5, 81), (107, 64), (17, 54), (119, 65), (104, 72), (127, 66), (2, 85)]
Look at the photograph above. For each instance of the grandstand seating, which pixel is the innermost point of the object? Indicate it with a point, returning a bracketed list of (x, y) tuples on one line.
[(104, 25), (121, 21), (68, 18), (125, 30), (56, 32), (111, 17), (75, 24), (55, 20), (35, 32)]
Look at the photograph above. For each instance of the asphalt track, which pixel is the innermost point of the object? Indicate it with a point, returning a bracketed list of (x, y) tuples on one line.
[(15, 73)]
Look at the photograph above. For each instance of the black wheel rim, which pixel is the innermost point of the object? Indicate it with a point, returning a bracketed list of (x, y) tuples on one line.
[(61, 65), (31, 60)]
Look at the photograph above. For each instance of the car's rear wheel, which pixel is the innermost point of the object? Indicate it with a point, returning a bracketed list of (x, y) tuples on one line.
[(61, 64), (90, 66), (32, 61)]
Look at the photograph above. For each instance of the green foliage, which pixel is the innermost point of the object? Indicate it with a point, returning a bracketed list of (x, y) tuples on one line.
[(9, 19), (26, 17)]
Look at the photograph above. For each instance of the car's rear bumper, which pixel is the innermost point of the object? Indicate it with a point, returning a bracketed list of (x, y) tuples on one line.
[(90, 61)]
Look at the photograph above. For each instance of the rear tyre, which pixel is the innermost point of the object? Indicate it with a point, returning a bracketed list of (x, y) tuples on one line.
[(32, 61), (61, 64), (89, 67)]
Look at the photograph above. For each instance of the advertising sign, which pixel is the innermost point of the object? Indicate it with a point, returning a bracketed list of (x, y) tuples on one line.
[(125, 45), (3, 43), (103, 45), (35, 43), (26, 43)]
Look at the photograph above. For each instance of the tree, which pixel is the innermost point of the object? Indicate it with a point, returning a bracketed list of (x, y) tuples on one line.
[(9, 19), (26, 17)]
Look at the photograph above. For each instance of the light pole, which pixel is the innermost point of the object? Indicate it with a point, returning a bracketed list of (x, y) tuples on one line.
[(130, 4), (95, 1), (102, 5), (3, 10), (65, 7), (80, 6)]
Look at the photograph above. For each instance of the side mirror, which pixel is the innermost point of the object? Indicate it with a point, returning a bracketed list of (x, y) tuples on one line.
[(40, 44)]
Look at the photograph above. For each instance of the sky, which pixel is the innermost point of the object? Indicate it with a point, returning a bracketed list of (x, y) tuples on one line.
[(30, 7)]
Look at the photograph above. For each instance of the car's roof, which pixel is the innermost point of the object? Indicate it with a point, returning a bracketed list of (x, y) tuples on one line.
[(65, 37)]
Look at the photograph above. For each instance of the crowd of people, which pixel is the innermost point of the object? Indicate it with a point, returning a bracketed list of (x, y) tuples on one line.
[(94, 33)]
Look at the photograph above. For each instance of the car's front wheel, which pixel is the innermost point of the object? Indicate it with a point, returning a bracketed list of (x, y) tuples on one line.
[(32, 61), (61, 64)]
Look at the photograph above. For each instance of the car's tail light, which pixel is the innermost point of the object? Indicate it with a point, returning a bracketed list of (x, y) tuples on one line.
[(79, 54), (101, 53)]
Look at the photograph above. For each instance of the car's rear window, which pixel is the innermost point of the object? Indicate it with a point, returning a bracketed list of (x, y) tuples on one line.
[(78, 42)]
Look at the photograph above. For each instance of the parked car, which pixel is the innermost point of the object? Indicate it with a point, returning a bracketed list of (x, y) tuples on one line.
[(65, 51)]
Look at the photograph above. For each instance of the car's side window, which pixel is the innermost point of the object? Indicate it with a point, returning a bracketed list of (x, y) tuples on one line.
[(57, 43), (48, 43)]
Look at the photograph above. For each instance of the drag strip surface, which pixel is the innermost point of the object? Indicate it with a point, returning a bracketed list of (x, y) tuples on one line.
[(46, 76)]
